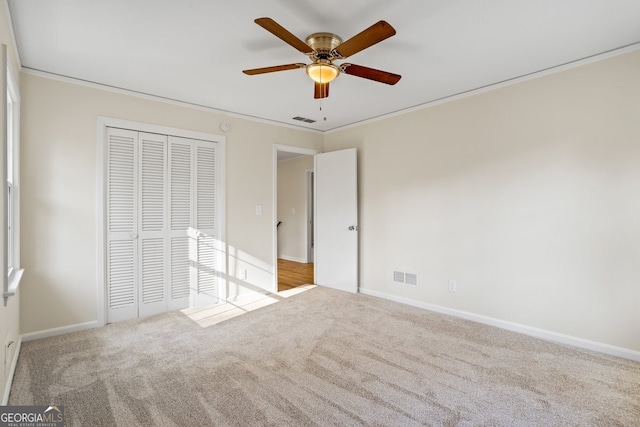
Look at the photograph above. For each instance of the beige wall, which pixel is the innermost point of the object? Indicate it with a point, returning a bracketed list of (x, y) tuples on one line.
[(59, 193), (9, 314), (292, 208), (527, 195)]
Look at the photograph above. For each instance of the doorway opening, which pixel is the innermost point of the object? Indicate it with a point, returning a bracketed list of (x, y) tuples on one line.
[(293, 203), (292, 274)]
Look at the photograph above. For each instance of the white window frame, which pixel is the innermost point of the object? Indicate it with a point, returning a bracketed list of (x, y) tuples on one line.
[(13, 174), (11, 158)]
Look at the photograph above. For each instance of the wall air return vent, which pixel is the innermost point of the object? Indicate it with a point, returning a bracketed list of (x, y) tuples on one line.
[(398, 277), (411, 279), (405, 278)]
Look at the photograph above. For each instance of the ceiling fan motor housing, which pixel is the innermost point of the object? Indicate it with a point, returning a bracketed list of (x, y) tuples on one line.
[(322, 69), (323, 44)]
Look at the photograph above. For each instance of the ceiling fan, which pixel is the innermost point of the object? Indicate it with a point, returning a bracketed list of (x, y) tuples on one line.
[(324, 48)]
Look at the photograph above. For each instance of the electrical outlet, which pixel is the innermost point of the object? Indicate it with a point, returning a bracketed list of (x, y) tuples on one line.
[(243, 274), (453, 286)]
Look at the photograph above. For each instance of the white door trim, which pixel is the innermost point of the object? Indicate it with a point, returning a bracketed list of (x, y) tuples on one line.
[(310, 207), (288, 149), (101, 134)]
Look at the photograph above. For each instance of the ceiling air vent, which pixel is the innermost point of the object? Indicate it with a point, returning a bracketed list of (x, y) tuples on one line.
[(303, 119)]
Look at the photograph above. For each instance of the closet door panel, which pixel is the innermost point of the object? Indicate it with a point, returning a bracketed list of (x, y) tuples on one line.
[(152, 241), (180, 172), (207, 248), (122, 225)]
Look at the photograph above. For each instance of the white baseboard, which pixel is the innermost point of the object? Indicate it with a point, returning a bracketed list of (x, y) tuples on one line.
[(294, 259), (515, 327), (12, 370), (59, 331)]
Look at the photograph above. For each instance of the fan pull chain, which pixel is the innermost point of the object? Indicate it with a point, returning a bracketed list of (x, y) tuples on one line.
[(325, 117)]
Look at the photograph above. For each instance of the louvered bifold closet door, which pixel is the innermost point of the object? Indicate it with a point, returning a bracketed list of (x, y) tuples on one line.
[(152, 238), (122, 227), (180, 218), (208, 247)]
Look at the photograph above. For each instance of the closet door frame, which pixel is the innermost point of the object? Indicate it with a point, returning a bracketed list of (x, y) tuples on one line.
[(101, 238)]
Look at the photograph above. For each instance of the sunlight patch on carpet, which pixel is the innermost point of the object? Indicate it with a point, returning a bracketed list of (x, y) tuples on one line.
[(213, 314)]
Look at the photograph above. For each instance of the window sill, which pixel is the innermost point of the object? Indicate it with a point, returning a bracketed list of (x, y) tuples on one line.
[(14, 281)]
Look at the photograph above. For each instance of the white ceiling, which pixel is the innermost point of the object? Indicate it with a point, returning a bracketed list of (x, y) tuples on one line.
[(195, 50)]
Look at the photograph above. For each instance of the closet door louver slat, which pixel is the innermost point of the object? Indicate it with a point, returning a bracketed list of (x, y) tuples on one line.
[(180, 271), (121, 274), (205, 187)]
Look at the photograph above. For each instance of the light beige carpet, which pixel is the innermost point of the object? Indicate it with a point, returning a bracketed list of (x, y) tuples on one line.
[(323, 357)]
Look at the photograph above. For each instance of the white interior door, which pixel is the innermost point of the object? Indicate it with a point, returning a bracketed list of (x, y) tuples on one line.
[(336, 221)]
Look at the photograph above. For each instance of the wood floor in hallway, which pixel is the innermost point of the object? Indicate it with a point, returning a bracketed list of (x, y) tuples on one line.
[(292, 274)]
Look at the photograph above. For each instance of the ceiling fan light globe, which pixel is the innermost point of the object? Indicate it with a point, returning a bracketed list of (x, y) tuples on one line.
[(322, 73)]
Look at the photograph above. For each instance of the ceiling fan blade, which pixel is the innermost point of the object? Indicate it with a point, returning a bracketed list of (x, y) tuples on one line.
[(371, 73), (321, 90), (279, 31), (374, 34), (255, 71)]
